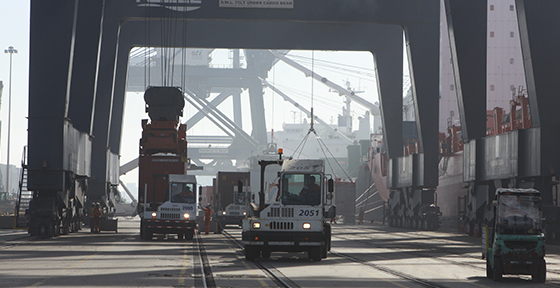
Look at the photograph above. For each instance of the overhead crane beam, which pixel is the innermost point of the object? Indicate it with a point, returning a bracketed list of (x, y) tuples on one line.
[(215, 102), (208, 108)]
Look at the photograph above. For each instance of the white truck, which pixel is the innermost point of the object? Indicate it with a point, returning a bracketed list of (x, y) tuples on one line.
[(299, 218), (177, 215)]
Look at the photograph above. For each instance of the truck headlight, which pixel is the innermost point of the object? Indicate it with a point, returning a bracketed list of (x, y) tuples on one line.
[(224, 213), (256, 225), (306, 225), (244, 213), (186, 216), (154, 214)]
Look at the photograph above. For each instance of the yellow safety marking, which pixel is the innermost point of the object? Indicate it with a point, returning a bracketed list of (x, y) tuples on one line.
[(261, 281), (183, 272), (72, 266)]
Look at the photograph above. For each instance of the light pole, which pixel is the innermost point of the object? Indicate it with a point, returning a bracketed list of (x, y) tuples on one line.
[(11, 50)]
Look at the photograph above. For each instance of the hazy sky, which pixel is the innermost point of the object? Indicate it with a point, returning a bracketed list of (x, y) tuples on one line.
[(14, 31)]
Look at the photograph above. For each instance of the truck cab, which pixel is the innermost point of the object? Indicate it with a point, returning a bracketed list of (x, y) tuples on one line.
[(177, 215), (515, 244), (297, 220)]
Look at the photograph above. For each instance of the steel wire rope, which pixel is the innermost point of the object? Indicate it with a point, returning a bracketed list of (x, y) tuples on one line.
[(363, 193), (321, 145), (272, 114), (162, 51), (304, 140), (299, 145), (326, 63), (335, 66), (367, 198), (175, 21), (165, 43), (347, 72), (184, 53), (327, 102), (147, 40)]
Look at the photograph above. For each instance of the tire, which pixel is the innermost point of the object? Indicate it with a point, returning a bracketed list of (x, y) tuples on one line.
[(314, 253), (489, 271), (251, 253), (324, 252), (145, 234), (180, 236), (189, 235), (540, 276), (265, 253), (498, 269), (424, 224), (43, 231)]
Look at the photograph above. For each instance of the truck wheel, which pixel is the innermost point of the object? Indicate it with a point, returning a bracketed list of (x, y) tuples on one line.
[(540, 276), (324, 251), (498, 269), (189, 235), (43, 231), (145, 234), (489, 271), (265, 253), (251, 253), (180, 236), (315, 254)]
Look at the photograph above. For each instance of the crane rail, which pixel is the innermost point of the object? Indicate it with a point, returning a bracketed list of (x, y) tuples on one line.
[(272, 273)]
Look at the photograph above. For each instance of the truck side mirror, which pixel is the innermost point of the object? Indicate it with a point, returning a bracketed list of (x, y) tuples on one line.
[(330, 185)]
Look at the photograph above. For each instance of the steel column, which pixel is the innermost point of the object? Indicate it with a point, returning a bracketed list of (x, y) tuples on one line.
[(467, 25)]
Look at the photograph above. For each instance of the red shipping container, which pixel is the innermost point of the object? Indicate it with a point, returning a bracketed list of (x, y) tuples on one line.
[(152, 176)]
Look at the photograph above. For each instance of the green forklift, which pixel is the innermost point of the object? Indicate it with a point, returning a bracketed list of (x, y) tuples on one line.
[(514, 245)]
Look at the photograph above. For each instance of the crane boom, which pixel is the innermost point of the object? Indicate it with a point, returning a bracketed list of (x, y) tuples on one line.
[(341, 90)]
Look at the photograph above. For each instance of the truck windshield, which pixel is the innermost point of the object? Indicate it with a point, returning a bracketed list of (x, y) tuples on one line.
[(301, 189), (519, 214), (182, 193)]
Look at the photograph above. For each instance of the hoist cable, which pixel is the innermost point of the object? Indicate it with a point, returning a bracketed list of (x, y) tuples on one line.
[(146, 22), (325, 146), (175, 53), (303, 141), (272, 114)]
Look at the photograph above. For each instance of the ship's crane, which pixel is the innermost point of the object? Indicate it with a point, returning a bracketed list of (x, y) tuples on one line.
[(341, 90), (307, 112)]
